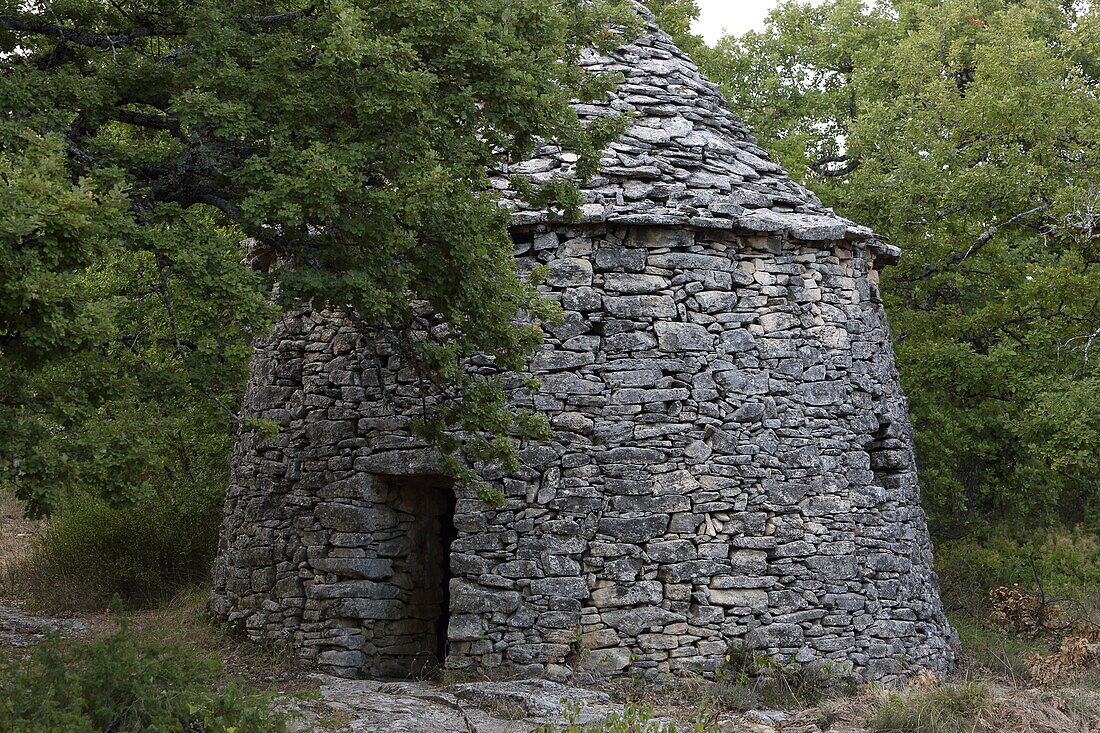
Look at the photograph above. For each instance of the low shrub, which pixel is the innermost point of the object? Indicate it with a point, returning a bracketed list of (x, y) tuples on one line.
[(1058, 561), (990, 651), (932, 709), (117, 684), (753, 681), (142, 553)]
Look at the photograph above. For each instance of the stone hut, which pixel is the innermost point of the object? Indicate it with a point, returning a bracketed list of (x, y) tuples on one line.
[(731, 467)]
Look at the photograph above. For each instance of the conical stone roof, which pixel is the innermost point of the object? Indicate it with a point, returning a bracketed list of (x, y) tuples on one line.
[(687, 159)]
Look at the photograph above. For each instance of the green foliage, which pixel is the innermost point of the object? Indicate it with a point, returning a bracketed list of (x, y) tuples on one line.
[(148, 405), (144, 552), (490, 497), (52, 229), (349, 140), (749, 681), (116, 684), (989, 651), (938, 709), (1058, 563), (964, 132)]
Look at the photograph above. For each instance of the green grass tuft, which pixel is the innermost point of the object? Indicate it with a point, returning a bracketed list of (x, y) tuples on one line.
[(941, 709)]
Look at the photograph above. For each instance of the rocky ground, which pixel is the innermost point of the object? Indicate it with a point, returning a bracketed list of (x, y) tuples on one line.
[(324, 703), (21, 630), (540, 706), (351, 706)]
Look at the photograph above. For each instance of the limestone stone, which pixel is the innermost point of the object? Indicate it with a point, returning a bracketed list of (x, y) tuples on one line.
[(683, 337)]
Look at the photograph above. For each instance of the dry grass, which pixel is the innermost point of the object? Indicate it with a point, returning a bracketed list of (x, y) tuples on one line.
[(184, 622), (973, 707), (17, 533), (937, 708), (1003, 659)]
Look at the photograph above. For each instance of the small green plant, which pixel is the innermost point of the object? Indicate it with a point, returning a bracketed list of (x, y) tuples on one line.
[(117, 684), (749, 681), (937, 709), (490, 497)]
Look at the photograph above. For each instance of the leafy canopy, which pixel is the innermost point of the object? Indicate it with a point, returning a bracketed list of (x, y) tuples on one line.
[(348, 140), (965, 132)]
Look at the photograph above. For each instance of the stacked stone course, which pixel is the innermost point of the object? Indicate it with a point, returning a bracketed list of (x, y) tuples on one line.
[(731, 464)]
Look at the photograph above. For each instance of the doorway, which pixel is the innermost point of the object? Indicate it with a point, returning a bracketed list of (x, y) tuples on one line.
[(425, 506)]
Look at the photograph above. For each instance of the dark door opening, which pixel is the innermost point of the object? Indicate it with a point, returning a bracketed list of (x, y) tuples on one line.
[(424, 572)]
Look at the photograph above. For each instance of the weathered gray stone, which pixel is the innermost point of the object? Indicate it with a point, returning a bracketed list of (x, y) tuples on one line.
[(373, 609), (636, 620), (683, 337), (635, 594), (570, 272), (634, 284), (634, 531), (740, 597), (346, 518), (355, 567), (469, 598), (775, 635), (619, 258), (466, 627), (641, 306)]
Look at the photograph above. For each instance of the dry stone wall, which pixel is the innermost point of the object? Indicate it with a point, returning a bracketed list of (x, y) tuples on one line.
[(731, 465)]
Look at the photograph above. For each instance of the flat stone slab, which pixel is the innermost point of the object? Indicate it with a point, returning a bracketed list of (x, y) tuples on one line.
[(19, 629), (363, 706), (542, 701)]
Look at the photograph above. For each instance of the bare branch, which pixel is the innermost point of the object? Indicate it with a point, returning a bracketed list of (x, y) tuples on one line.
[(276, 19), (1086, 343), (77, 152), (151, 121)]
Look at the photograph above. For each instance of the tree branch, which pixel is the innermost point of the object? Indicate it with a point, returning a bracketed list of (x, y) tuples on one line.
[(78, 153), (147, 120), (80, 37), (821, 166), (985, 238), (276, 19)]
